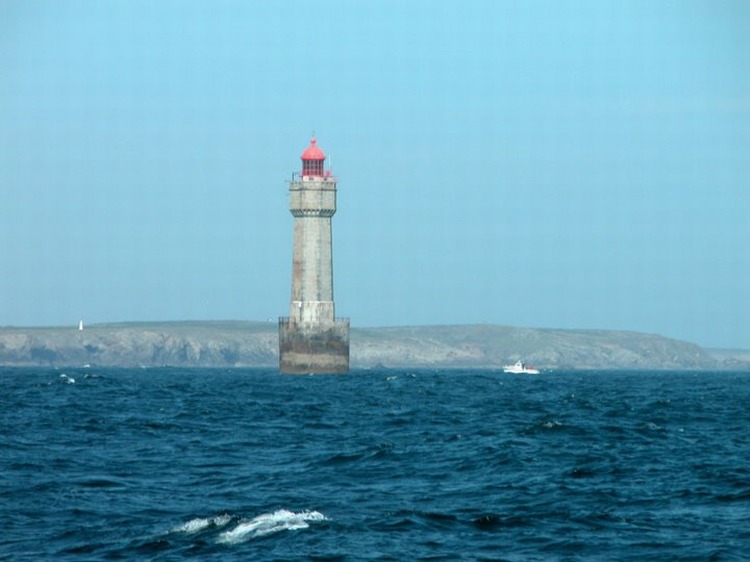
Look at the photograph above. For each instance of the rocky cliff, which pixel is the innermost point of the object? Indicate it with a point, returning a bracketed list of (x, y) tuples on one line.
[(493, 346), (220, 344)]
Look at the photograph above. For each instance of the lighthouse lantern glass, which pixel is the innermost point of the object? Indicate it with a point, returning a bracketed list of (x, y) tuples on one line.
[(312, 167)]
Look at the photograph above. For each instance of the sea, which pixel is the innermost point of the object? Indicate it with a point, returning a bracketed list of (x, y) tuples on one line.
[(381, 464)]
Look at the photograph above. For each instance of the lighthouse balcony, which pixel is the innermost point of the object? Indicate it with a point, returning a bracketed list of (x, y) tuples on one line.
[(325, 177), (312, 202)]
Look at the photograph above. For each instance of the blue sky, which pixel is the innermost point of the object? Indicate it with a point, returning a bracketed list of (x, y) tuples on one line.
[(561, 164)]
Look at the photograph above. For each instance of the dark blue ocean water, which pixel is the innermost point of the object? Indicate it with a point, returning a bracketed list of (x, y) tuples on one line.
[(172, 464)]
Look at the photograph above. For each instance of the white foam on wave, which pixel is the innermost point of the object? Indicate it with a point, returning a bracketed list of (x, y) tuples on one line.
[(267, 523), (200, 523)]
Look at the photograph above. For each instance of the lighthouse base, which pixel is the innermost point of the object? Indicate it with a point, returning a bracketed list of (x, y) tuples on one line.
[(313, 348)]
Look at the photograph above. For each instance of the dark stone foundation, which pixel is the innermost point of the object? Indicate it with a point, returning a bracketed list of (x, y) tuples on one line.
[(313, 348)]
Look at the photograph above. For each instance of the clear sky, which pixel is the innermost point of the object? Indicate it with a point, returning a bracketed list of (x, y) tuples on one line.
[(560, 164)]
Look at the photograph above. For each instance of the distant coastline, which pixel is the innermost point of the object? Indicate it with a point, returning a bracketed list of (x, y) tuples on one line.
[(247, 344)]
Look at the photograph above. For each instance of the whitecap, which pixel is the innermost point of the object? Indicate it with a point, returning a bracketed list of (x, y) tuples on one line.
[(67, 379), (200, 523), (267, 523)]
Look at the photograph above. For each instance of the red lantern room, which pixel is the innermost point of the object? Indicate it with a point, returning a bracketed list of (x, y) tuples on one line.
[(312, 160)]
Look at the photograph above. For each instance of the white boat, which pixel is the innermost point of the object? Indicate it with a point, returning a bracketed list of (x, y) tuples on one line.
[(520, 368)]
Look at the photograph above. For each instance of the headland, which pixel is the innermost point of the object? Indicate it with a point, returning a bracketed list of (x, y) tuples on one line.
[(255, 344)]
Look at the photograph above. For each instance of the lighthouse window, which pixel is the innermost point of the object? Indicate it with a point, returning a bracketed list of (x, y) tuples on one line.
[(313, 168)]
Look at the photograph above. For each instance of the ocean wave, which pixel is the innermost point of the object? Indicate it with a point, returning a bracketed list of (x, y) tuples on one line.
[(201, 523), (268, 523), (176, 464)]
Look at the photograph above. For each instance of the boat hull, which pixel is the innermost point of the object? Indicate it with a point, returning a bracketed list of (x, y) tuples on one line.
[(520, 369)]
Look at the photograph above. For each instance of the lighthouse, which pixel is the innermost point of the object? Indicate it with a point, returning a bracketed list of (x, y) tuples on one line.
[(311, 339)]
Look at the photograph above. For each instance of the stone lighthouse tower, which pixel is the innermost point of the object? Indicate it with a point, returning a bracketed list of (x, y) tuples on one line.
[(312, 339)]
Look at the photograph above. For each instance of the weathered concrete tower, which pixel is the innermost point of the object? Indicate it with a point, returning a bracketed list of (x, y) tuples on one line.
[(312, 339)]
